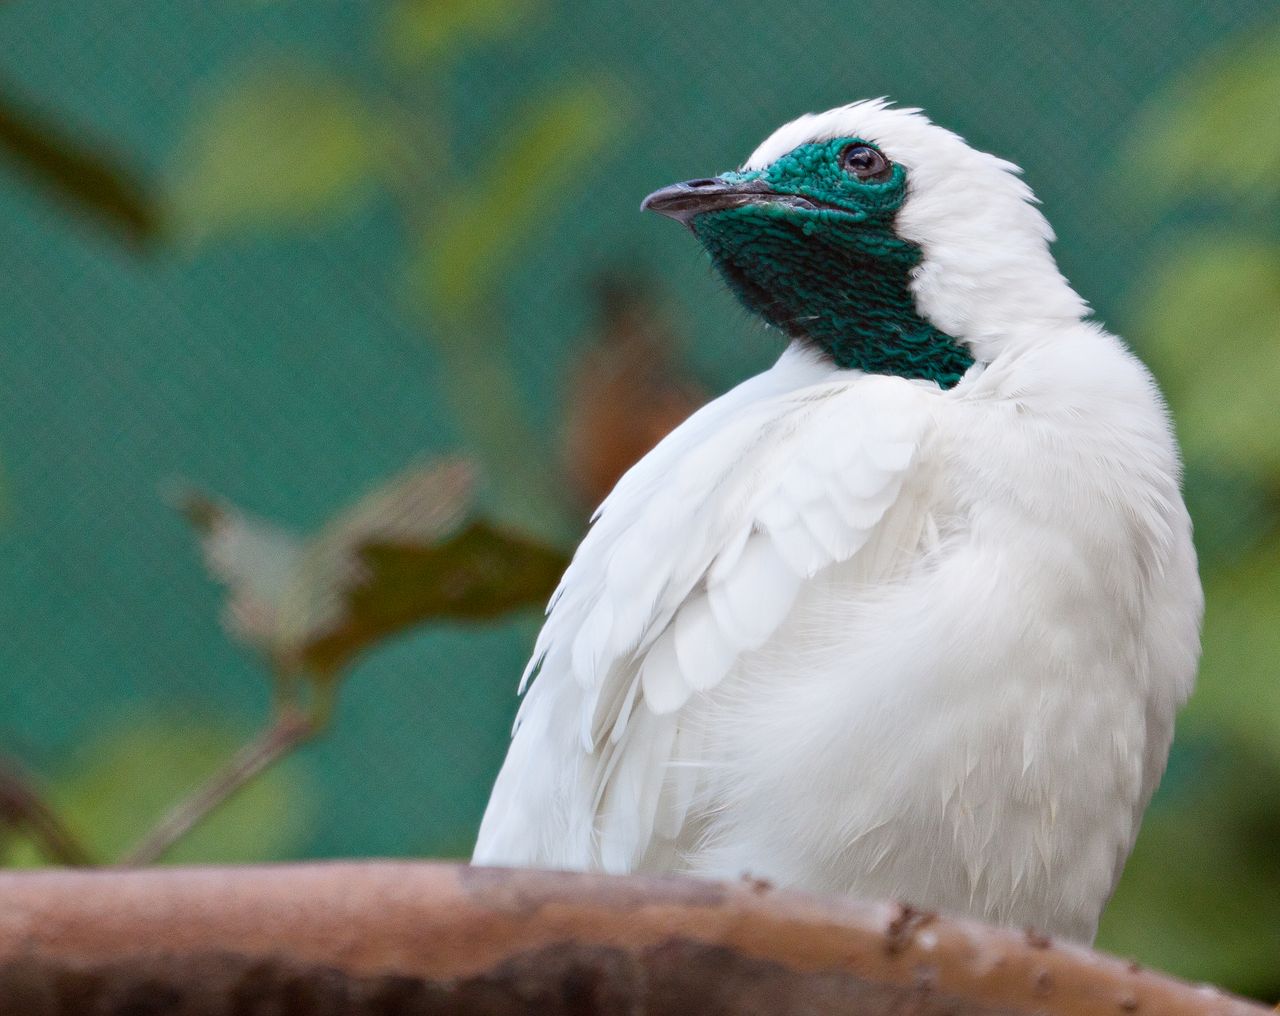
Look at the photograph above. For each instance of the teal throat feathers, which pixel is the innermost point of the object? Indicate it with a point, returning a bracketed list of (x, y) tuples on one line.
[(809, 244)]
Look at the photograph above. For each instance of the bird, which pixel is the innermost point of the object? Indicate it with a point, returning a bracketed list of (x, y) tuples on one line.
[(908, 615)]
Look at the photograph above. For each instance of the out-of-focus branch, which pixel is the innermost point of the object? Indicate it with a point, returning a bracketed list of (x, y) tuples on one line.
[(81, 175), (290, 729), (22, 807)]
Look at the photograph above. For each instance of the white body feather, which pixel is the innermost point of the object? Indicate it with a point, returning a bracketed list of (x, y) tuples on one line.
[(858, 634)]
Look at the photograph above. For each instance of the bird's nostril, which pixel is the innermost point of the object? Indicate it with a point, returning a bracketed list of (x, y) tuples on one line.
[(706, 182)]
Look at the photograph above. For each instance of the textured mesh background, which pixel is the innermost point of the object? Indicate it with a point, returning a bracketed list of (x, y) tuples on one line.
[(283, 371)]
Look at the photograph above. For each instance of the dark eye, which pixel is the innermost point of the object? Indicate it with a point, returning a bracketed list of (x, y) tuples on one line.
[(865, 163)]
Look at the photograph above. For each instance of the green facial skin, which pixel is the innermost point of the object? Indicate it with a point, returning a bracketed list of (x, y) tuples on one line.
[(835, 277)]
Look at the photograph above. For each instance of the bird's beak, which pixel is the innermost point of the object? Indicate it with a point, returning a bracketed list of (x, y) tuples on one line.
[(682, 201)]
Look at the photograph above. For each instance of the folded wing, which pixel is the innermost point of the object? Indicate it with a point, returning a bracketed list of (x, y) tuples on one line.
[(696, 558)]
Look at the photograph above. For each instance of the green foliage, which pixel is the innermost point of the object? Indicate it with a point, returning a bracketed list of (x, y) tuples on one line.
[(124, 779), (1210, 320), (430, 31), (495, 209), (284, 145), (1201, 894), (1239, 692), (1216, 134), (289, 144), (1198, 895)]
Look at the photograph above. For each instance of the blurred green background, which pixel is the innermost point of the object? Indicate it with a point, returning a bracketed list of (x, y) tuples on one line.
[(282, 250)]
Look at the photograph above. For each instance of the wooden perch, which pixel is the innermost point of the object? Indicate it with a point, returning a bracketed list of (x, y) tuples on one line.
[(419, 938)]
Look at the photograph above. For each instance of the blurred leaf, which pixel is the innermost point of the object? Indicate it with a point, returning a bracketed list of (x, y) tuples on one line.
[(257, 559), (1201, 892), (1210, 323), (89, 179), (1238, 511), (280, 145), (1218, 132), (542, 159), (126, 778), (284, 589), (422, 31), (628, 388), (401, 556), (1238, 692), (479, 574)]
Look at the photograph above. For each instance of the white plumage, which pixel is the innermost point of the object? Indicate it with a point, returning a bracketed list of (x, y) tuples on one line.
[(859, 634)]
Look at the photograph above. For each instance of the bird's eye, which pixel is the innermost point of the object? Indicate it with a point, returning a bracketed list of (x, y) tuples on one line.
[(865, 163)]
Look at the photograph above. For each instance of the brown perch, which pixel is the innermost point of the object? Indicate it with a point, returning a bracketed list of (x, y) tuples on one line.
[(422, 938)]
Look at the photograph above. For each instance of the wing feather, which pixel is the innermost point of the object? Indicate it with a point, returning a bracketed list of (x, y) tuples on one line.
[(752, 599), (696, 558)]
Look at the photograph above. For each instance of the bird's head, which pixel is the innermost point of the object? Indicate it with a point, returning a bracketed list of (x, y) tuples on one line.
[(883, 239)]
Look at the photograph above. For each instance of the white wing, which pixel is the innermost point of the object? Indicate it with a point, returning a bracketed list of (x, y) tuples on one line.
[(695, 558)]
